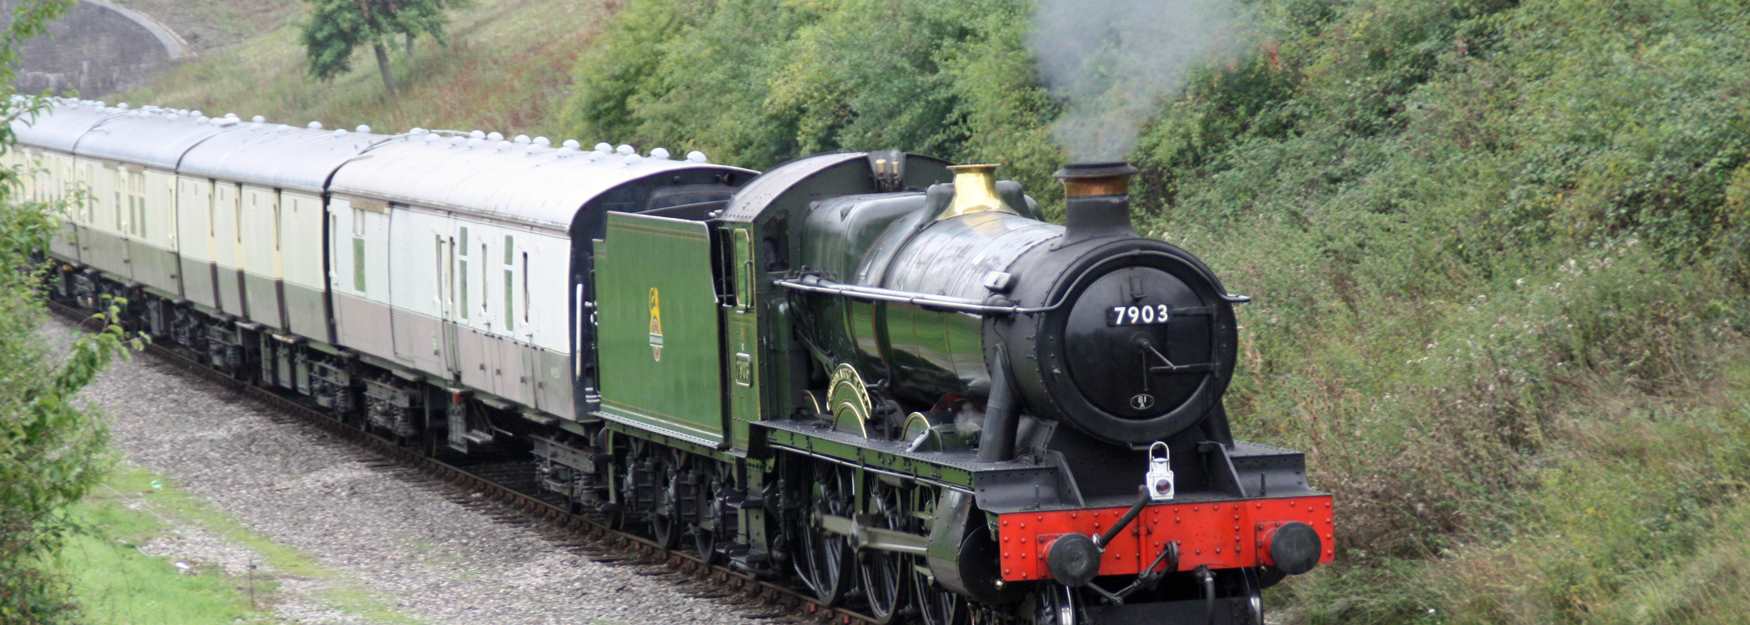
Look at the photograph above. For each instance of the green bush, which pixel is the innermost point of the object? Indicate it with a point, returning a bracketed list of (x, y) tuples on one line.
[(758, 82), (1465, 224), (52, 450), (1475, 231)]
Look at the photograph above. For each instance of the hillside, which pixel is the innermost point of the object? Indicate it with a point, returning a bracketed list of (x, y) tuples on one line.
[(506, 67), (206, 24), (1499, 250)]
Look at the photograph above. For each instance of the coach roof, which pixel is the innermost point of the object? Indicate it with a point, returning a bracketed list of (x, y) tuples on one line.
[(61, 126), (510, 180), (156, 139), (274, 155)]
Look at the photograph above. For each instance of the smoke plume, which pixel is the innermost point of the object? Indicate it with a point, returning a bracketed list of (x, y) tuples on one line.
[(1112, 61)]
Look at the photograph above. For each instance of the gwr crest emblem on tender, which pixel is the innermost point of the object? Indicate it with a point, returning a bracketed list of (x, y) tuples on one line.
[(655, 324)]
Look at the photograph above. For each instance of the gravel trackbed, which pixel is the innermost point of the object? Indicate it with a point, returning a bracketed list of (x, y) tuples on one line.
[(387, 532)]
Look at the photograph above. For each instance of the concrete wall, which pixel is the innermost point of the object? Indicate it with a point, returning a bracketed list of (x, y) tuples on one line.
[(96, 48)]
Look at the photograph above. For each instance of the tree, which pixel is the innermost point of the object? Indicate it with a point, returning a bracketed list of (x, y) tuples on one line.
[(337, 27), (52, 449)]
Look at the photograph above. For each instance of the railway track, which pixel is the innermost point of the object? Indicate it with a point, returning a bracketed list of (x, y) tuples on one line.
[(483, 487)]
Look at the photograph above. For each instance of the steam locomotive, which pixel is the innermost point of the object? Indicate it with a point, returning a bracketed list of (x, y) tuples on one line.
[(874, 374)]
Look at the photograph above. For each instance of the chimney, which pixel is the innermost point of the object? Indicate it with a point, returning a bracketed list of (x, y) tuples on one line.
[(1096, 200)]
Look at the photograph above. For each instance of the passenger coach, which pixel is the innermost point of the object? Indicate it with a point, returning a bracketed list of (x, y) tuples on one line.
[(458, 263)]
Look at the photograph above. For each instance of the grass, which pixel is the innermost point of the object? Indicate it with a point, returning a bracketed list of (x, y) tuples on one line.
[(507, 68), (1638, 515), (366, 605), (116, 583), (1642, 520), (208, 24)]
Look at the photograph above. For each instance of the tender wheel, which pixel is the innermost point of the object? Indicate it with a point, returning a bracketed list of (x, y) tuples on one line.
[(822, 554), (665, 524), (614, 515), (630, 508), (936, 605), (884, 574)]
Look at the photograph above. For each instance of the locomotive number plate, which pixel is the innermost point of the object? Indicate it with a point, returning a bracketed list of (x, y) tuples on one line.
[(1136, 315)]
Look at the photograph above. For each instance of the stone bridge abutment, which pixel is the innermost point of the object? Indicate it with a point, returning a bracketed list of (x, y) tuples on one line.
[(95, 48)]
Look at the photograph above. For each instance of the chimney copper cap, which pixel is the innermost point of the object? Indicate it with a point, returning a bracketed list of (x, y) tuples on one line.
[(1095, 179)]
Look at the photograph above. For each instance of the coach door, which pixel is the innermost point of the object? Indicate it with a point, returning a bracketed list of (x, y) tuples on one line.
[(446, 290)]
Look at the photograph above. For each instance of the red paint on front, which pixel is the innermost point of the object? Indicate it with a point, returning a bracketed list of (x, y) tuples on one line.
[(1221, 534)]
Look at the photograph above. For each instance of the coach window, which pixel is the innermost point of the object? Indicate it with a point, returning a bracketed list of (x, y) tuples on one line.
[(462, 271), (121, 225), (137, 202), (526, 305), (358, 249), (276, 223), (509, 283)]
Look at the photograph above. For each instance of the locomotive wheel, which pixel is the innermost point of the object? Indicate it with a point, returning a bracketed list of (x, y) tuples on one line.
[(1058, 605), (884, 573), (823, 555), (936, 605), (665, 525)]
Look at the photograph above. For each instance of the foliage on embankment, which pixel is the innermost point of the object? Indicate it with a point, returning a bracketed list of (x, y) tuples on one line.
[(1498, 250), (52, 450)]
